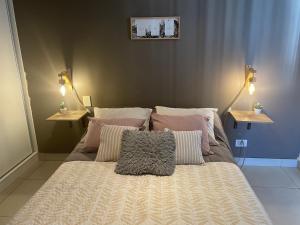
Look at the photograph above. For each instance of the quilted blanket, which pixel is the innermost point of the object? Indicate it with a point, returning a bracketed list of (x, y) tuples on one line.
[(91, 193)]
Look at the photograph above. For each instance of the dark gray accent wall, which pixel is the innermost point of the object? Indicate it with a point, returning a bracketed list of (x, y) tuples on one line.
[(205, 68)]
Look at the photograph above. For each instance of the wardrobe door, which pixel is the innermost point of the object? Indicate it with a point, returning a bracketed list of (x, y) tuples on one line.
[(15, 142)]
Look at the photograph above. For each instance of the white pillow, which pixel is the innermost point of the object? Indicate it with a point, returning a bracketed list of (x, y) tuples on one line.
[(188, 147), (117, 113), (110, 142), (208, 112)]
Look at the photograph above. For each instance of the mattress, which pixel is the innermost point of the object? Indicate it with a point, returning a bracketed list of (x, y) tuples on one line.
[(91, 193)]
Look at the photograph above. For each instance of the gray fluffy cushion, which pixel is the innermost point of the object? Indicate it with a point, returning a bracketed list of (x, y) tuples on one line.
[(144, 152)]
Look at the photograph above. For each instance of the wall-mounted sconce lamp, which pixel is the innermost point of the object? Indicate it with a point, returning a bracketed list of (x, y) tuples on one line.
[(250, 76), (66, 82), (65, 79), (250, 79)]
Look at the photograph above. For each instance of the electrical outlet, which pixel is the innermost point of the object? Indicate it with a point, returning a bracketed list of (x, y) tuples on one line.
[(87, 101), (241, 143)]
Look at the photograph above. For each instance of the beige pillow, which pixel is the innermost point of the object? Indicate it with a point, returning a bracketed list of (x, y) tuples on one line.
[(184, 123), (131, 112), (188, 147), (110, 142), (207, 112)]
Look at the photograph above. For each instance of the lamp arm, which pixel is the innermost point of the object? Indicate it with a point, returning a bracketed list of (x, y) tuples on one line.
[(234, 100), (74, 91), (77, 96), (249, 78)]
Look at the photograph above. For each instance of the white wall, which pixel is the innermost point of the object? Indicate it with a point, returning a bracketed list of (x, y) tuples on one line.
[(15, 137)]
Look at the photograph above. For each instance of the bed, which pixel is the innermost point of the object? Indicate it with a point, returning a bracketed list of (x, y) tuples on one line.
[(82, 191)]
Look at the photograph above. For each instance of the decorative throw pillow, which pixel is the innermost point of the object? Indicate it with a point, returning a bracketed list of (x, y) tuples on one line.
[(92, 137), (109, 148), (188, 145), (132, 112), (144, 152), (207, 112), (184, 123)]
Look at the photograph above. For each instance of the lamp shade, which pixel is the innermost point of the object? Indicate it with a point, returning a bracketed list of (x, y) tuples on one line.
[(251, 88), (64, 79), (62, 90), (250, 79)]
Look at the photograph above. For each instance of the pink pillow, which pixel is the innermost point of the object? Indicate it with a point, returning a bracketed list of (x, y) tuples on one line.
[(92, 138), (184, 123)]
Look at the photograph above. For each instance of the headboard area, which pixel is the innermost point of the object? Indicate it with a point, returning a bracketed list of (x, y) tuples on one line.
[(203, 68)]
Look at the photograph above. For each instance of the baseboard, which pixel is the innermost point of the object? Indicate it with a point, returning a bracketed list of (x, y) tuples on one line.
[(53, 156), (267, 162), (14, 177)]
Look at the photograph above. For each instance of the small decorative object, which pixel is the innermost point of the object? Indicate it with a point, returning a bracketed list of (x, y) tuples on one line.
[(62, 108), (158, 28), (258, 108)]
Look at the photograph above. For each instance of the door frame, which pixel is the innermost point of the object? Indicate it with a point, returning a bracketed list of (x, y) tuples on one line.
[(22, 75)]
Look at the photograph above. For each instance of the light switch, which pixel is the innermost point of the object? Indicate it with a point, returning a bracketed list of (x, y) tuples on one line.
[(87, 101)]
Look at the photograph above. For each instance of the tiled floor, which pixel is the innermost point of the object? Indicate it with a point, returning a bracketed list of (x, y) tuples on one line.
[(279, 191), (277, 188), (27, 187)]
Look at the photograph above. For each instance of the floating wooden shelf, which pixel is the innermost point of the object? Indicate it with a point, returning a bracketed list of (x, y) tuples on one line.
[(68, 116), (249, 117)]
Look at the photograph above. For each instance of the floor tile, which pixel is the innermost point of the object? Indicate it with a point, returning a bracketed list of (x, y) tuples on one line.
[(46, 169), (4, 220), (282, 204), (294, 174), (4, 193), (18, 198), (259, 176)]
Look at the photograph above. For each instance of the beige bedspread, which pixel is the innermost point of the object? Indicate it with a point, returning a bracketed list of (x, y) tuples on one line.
[(91, 193)]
